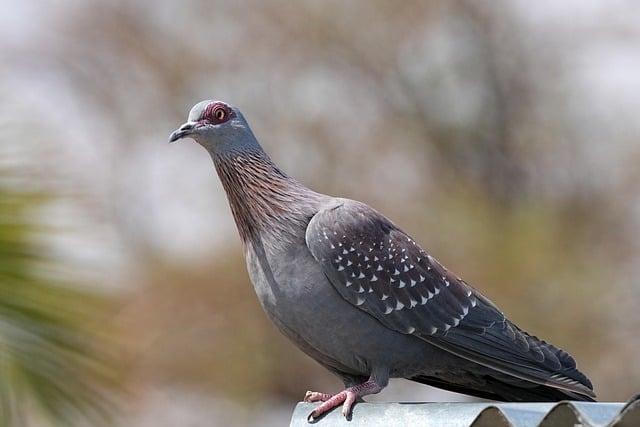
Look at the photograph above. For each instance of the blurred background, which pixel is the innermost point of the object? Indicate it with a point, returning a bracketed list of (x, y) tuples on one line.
[(503, 135)]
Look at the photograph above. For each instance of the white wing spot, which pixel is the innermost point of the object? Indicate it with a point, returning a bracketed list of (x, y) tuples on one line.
[(349, 263), (384, 297), (413, 303), (374, 278), (366, 258), (340, 268), (413, 283), (359, 300), (399, 306), (379, 268), (361, 276), (396, 272), (388, 310), (423, 300), (349, 283), (360, 289), (411, 330), (421, 278), (401, 285), (406, 268), (344, 252)]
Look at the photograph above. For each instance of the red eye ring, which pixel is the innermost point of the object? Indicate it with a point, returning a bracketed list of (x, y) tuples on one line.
[(217, 113)]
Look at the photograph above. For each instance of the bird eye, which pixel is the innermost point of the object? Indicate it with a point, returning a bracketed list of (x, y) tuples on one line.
[(220, 114)]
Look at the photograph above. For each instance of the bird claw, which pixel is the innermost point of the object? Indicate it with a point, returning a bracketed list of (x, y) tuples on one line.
[(346, 398), (348, 404), (314, 396)]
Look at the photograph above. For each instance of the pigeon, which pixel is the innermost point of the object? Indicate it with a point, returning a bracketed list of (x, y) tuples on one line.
[(360, 296)]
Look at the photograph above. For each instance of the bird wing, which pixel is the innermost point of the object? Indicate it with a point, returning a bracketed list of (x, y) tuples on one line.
[(379, 269)]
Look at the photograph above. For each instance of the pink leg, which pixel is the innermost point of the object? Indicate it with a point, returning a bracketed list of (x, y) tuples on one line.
[(346, 397)]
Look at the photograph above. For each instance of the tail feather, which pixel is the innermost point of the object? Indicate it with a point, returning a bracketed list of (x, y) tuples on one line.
[(495, 389)]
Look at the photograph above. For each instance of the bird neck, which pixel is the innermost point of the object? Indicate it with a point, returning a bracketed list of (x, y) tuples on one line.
[(263, 199)]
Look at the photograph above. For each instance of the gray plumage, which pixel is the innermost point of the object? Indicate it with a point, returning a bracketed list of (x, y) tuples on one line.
[(357, 294)]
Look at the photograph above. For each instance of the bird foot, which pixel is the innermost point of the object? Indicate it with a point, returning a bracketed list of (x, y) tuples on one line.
[(346, 397)]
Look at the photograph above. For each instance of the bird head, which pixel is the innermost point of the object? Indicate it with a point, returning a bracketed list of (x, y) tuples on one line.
[(213, 123)]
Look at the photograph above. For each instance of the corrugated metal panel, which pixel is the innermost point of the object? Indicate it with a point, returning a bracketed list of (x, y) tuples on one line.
[(480, 415)]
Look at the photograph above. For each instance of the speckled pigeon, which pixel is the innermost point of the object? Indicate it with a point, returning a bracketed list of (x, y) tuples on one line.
[(360, 296)]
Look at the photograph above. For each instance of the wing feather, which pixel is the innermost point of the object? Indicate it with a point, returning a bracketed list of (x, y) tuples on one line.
[(378, 268)]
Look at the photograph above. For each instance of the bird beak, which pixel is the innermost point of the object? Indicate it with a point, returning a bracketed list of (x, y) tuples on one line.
[(184, 130)]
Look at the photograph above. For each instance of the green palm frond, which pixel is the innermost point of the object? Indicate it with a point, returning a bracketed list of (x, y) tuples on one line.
[(54, 367)]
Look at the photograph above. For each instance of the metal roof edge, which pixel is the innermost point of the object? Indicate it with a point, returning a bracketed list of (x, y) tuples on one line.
[(480, 414)]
